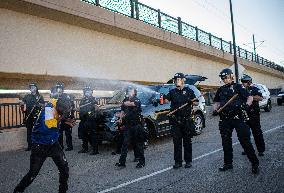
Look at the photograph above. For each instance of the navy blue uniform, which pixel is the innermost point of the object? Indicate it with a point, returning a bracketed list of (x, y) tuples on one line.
[(65, 127), (182, 125), (232, 117), (33, 104), (133, 132), (87, 126), (254, 120)]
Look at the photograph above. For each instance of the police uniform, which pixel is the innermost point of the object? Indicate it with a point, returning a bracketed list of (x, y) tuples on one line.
[(33, 104), (233, 117), (87, 125), (182, 124), (65, 127), (45, 136), (254, 120), (133, 132)]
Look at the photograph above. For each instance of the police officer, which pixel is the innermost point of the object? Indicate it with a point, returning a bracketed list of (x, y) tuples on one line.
[(31, 103), (181, 122), (232, 117), (87, 126), (65, 126), (45, 136), (133, 132), (254, 114)]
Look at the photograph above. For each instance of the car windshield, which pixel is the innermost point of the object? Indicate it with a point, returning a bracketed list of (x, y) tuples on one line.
[(145, 94)]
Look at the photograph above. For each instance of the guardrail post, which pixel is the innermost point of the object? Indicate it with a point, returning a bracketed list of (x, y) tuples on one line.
[(239, 50), (137, 9), (97, 2), (221, 44), (251, 56), (179, 26), (231, 51), (210, 39), (159, 18), (132, 8), (246, 54), (196, 33)]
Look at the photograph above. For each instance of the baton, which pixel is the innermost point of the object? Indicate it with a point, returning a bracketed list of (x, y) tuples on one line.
[(229, 102), (26, 118), (184, 105)]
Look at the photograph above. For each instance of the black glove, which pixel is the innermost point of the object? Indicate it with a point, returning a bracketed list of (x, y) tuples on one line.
[(215, 113)]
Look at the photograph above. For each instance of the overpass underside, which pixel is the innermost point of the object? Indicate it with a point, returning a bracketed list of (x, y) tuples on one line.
[(77, 43)]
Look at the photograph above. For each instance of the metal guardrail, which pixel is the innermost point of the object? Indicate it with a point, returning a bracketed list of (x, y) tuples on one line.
[(149, 15), (11, 115)]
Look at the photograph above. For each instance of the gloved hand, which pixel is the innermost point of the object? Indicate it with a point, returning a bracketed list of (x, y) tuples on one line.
[(215, 113)]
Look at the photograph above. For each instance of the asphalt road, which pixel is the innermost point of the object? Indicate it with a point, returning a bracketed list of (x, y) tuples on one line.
[(90, 174)]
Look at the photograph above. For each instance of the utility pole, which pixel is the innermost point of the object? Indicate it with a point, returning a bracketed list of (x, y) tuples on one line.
[(254, 48), (234, 44)]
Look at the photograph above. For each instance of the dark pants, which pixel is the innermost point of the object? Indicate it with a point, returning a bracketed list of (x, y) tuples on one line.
[(29, 125), (226, 128), (133, 134), (68, 134), (182, 133), (38, 156), (89, 135), (254, 124), (119, 142)]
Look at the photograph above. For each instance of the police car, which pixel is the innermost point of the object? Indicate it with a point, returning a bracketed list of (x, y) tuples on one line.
[(266, 101), (156, 121)]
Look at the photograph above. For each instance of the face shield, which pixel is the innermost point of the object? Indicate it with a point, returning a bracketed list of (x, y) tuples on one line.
[(33, 90), (179, 82), (59, 91), (130, 92), (88, 93)]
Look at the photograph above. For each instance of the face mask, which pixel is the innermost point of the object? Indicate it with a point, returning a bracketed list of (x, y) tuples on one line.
[(33, 90), (59, 91), (88, 93)]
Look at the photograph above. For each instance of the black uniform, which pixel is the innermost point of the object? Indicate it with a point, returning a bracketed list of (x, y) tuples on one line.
[(254, 120), (181, 122), (65, 127), (233, 117), (33, 103), (133, 132), (87, 126)]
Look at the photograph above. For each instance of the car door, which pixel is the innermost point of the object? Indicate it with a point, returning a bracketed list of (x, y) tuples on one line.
[(264, 95), (161, 111)]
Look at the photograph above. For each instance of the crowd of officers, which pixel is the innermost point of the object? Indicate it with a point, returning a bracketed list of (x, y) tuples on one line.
[(236, 104)]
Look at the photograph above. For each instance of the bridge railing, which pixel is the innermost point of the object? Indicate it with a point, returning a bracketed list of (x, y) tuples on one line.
[(149, 15), (11, 115)]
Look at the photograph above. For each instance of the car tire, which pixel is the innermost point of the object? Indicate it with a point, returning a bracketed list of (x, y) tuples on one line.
[(198, 123), (268, 106), (279, 102)]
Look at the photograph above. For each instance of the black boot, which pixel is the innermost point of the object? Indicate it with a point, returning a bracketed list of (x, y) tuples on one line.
[(255, 169), (177, 165), (140, 165), (16, 190), (83, 151), (69, 149), (120, 165), (260, 154), (94, 152), (226, 167), (187, 165)]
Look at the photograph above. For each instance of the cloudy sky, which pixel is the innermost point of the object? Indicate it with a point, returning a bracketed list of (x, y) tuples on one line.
[(264, 18)]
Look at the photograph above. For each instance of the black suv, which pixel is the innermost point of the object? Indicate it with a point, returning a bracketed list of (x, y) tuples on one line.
[(155, 116)]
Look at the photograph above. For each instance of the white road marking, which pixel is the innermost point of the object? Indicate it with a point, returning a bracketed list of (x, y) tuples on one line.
[(169, 168)]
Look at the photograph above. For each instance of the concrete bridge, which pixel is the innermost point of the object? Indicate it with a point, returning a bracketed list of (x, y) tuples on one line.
[(75, 42)]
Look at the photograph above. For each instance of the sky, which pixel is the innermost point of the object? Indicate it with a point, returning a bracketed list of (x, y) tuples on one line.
[(263, 18)]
